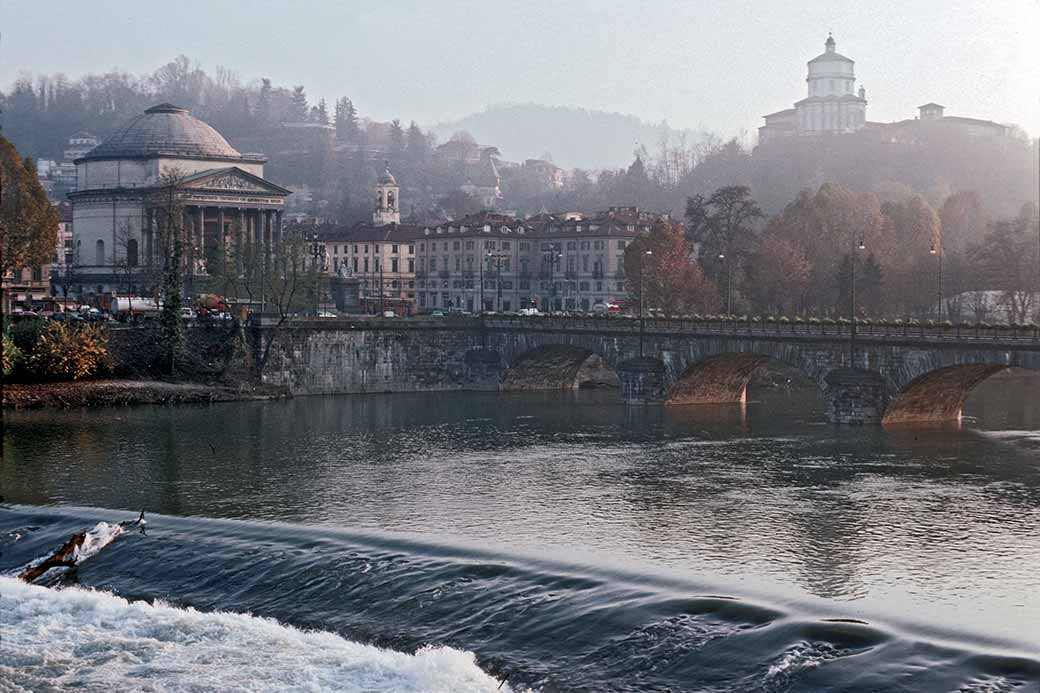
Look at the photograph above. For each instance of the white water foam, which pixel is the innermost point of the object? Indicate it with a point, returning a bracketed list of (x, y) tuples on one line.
[(94, 641)]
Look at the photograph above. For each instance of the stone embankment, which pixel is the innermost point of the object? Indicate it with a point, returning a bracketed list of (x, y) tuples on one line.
[(94, 393)]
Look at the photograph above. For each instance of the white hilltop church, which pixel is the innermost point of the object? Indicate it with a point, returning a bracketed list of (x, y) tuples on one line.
[(832, 105)]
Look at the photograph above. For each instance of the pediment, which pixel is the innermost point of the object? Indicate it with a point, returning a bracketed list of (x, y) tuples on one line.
[(232, 180)]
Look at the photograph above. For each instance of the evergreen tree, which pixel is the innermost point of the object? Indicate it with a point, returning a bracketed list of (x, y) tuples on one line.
[(396, 137), (346, 120), (417, 146), (323, 112), (298, 108)]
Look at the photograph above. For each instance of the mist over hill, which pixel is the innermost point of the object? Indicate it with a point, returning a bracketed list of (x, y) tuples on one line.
[(576, 137)]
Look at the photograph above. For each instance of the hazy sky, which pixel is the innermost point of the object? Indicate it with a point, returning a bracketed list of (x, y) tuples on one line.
[(717, 64)]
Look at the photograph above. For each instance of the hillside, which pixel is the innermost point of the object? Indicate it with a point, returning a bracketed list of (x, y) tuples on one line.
[(575, 137)]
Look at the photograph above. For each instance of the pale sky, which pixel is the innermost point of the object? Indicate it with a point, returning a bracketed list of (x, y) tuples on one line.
[(713, 64)]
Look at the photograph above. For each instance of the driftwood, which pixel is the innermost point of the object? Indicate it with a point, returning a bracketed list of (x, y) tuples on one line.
[(65, 557)]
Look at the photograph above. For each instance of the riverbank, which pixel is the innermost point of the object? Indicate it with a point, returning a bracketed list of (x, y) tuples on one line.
[(95, 393)]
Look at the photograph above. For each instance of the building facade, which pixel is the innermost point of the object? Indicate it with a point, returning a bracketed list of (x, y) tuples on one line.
[(221, 197), (488, 260)]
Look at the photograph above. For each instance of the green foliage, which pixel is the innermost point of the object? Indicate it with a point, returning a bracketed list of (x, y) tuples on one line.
[(11, 356)]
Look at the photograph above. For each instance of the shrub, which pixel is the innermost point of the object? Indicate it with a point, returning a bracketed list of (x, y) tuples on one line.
[(68, 353), (11, 354)]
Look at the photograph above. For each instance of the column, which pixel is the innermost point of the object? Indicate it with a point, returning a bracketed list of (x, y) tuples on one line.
[(149, 235), (198, 242), (221, 239)]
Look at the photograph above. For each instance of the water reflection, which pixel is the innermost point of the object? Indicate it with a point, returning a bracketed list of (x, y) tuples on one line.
[(907, 519)]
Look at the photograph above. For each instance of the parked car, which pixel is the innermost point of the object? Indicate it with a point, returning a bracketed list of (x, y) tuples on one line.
[(437, 314), (188, 313), (529, 311), (389, 314)]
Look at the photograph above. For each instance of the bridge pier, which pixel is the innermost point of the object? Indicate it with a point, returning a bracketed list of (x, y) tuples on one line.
[(855, 396), (643, 381)]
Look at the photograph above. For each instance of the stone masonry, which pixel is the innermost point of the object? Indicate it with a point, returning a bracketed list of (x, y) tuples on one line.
[(888, 378)]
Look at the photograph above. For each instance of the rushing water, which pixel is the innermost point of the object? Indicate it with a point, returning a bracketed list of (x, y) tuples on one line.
[(557, 542)]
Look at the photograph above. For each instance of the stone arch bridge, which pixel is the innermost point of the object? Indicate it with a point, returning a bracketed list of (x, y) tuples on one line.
[(893, 375)]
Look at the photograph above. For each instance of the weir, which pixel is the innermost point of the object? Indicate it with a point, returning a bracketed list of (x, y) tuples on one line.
[(890, 377)]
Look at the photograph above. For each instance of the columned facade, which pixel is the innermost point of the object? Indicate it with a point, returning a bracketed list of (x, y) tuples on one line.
[(161, 163)]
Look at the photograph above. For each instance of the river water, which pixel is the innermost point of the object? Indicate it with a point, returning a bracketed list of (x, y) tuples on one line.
[(463, 541)]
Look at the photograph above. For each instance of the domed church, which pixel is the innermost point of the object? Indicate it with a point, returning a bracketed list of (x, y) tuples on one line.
[(832, 105), (118, 210)]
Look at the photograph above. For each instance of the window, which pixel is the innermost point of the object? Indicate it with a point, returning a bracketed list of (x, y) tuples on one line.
[(458, 263), (583, 286), (131, 253), (469, 245), (572, 245), (366, 264), (37, 274), (393, 264), (355, 264), (422, 247), (456, 245), (433, 264), (621, 245), (599, 286), (524, 247), (507, 245), (366, 249), (99, 252), (355, 248), (621, 286), (489, 245), (411, 249), (411, 265), (584, 263), (584, 245)]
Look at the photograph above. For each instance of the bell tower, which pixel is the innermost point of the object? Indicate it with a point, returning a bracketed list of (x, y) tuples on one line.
[(388, 201)]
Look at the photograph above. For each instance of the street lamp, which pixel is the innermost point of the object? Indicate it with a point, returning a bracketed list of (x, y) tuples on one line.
[(552, 256), (497, 258), (937, 251), (729, 294), (315, 253), (852, 303), (642, 319)]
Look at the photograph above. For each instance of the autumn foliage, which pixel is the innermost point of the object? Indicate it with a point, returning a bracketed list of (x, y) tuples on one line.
[(670, 279)]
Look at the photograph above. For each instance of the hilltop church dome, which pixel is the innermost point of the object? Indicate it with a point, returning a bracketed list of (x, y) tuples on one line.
[(165, 130)]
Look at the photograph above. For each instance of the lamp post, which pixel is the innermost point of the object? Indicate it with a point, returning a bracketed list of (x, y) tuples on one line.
[(481, 311), (729, 294), (314, 251), (938, 252), (382, 287), (852, 303), (642, 319), (497, 258), (552, 256)]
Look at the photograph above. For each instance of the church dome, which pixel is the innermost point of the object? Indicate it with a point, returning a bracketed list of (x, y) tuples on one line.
[(164, 130)]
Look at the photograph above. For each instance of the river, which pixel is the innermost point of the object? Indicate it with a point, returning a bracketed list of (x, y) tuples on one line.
[(551, 541)]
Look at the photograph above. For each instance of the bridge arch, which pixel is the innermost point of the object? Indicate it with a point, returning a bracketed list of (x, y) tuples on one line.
[(558, 367), (937, 395)]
